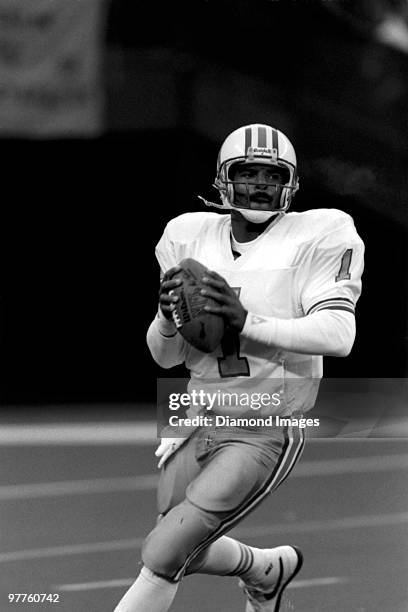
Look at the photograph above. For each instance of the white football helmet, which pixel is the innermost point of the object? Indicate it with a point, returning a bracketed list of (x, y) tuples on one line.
[(256, 144)]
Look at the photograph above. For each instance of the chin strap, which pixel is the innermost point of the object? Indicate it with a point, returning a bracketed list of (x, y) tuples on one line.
[(212, 204), (225, 207)]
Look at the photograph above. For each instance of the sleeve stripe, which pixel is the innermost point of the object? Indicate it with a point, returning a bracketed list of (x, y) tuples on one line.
[(329, 302), (346, 308), (170, 336)]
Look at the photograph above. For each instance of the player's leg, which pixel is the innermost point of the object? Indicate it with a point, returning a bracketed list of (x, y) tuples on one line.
[(227, 556), (149, 593), (236, 475), (231, 483)]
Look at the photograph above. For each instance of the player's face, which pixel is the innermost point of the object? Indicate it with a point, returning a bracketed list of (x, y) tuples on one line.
[(256, 186)]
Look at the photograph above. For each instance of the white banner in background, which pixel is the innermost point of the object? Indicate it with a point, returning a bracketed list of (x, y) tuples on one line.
[(50, 60)]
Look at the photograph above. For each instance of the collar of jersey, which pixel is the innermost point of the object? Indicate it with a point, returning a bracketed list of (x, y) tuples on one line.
[(234, 241)]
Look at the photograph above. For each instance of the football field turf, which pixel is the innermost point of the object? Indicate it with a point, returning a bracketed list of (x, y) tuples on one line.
[(77, 499)]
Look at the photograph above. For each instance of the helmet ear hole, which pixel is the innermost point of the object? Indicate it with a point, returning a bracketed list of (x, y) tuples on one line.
[(230, 170), (285, 174)]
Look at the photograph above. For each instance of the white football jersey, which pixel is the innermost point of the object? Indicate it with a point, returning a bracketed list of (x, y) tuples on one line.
[(302, 263)]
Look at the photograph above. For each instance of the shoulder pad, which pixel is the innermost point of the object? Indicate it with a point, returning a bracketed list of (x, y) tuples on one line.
[(187, 226), (323, 220)]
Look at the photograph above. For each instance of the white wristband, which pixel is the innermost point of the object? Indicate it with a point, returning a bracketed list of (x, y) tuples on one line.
[(166, 326)]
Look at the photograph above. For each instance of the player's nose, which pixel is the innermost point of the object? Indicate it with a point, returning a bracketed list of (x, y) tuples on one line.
[(261, 180)]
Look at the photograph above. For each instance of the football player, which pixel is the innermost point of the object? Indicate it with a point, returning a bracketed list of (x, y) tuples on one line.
[(286, 285)]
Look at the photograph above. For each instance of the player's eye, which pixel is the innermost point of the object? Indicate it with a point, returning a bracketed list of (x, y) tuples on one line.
[(275, 178)]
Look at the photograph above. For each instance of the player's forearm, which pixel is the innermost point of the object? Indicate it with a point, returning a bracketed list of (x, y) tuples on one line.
[(326, 332), (165, 344)]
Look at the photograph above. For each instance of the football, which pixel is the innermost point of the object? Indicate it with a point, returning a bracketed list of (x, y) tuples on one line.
[(202, 329)]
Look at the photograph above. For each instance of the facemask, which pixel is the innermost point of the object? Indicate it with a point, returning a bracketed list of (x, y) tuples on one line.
[(257, 216)]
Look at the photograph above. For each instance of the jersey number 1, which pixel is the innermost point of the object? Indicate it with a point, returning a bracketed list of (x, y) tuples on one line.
[(344, 272), (231, 363)]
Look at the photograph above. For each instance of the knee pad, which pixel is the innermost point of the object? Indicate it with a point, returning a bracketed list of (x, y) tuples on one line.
[(161, 556), (171, 545)]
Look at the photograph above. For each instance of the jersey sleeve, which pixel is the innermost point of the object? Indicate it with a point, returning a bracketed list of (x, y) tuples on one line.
[(334, 273), (166, 252), (179, 237)]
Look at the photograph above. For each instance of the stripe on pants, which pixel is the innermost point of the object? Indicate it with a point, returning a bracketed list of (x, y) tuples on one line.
[(291, 451)]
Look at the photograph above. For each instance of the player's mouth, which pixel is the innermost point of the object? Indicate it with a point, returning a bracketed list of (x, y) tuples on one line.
[(261, 198)]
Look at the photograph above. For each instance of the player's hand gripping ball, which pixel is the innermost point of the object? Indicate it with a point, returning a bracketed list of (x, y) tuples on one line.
[(202, 329)]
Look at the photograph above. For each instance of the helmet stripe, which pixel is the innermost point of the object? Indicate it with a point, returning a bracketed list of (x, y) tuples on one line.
[(275, 144), (262, 137), (248, 139)]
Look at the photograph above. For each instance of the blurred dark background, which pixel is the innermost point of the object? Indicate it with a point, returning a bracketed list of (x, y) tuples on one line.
[(82, 211)]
